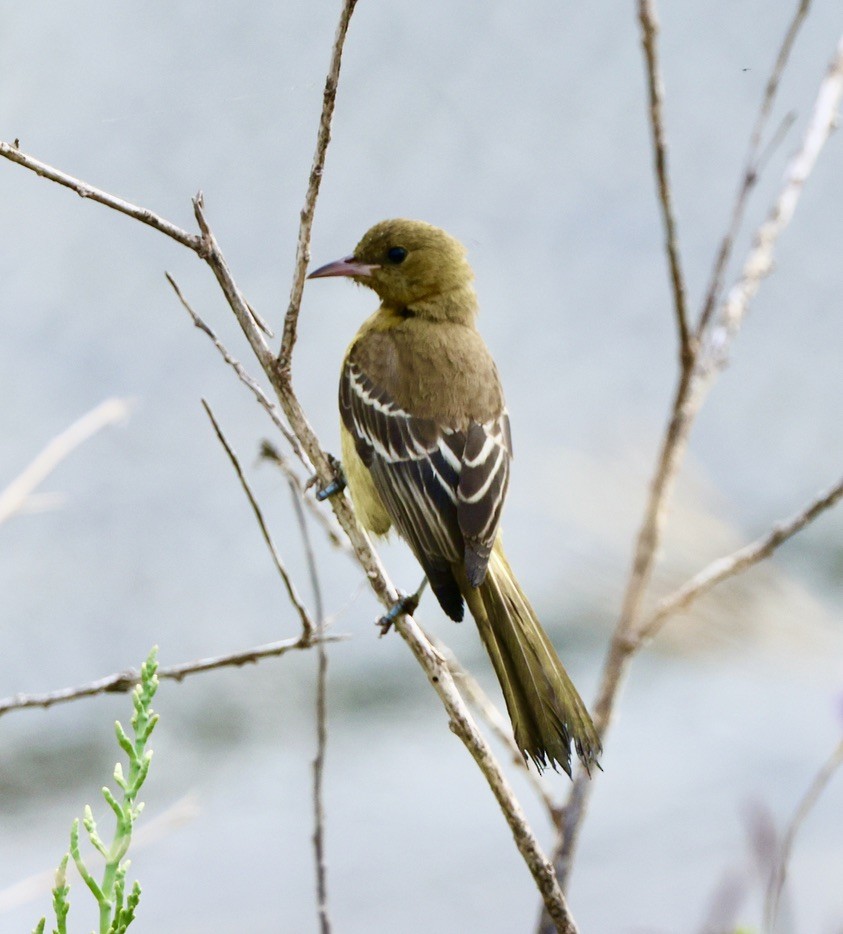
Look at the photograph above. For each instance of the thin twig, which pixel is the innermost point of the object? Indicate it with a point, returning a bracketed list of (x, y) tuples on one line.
[(760, 260), (321, 722), (268, 405), (323, 137), (204, 244), (84, 190), (209, 251), (308, 627), (655, 89), (812, 795), (752, 167), (14, 497), (737, 562), (269, 452), (122, 682)]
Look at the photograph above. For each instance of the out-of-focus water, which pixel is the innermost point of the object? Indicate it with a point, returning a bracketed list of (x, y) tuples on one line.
[(522, 130)]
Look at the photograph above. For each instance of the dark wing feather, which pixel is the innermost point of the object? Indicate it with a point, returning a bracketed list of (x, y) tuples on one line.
[(484, 479), (443, 488)]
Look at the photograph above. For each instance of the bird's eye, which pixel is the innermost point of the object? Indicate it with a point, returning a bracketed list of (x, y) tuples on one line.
[(396, 255)]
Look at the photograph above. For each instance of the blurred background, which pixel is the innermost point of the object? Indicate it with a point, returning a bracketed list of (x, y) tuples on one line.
[(521, 129)]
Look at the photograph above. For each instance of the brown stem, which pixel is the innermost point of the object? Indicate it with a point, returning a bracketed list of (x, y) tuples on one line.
[(323, 137)]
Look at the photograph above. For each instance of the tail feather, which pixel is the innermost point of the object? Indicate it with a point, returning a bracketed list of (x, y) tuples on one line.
[(546, 711)]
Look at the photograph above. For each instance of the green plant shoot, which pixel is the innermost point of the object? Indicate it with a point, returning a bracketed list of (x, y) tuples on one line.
[(117, 908)]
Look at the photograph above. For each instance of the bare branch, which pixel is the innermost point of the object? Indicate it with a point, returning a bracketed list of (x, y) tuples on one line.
[(735, 563), (16, 494), (122, 682), (655, 88), (760, 259), (321, 723), (329, 527), (209, 250), (812, 795), (269, 406), (84, 190), (288, 337), (308, 627), (752, 167)]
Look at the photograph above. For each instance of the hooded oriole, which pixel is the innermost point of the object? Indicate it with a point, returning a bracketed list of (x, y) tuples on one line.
[(426, 447)]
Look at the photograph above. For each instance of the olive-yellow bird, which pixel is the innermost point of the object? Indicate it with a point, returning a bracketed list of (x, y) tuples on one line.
[(426, 447)]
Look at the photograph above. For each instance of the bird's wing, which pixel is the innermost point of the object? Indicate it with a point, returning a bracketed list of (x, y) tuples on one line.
[(444, 488), (484, 479)]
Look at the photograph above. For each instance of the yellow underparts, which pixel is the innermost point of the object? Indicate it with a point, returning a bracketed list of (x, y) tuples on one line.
[(367, 503)]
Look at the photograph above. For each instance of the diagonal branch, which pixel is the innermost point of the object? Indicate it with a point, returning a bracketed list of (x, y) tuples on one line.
[(307, 624), (737, 562), (329, 97), (14, 497), (333, 533), (809, 799), (751, 168), (84, 190), (122, 682), (497, 723), (209, 251), (268, 451), (760, 260), (655, 90), (269, 407)]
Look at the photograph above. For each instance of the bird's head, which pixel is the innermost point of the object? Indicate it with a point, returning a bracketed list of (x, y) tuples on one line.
[(407, 263)]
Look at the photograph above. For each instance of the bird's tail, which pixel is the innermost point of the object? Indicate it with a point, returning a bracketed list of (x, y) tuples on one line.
[(546, 711)]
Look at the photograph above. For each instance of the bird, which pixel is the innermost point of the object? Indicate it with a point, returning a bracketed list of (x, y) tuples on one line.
[(426, 450)]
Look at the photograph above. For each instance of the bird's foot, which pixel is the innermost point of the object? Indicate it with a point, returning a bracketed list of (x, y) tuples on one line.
[(337, 485), (405, 605)]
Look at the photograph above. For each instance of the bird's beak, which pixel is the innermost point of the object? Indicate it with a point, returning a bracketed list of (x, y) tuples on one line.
[(344, 267)]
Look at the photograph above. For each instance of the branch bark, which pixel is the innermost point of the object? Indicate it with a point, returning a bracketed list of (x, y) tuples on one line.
[(122, 682), (655, 90), (737, 562), (323, 137)]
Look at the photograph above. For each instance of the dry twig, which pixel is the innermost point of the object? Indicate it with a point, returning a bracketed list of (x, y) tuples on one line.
[(752, 167), (14, 497), (810, 798), (307, 624), (655, 91), (737, 562), (122, 682), (329, 97), (321, 721), (759, 262), (268, 405)]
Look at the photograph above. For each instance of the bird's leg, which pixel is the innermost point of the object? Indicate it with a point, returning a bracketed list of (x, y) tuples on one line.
[(405, 605), (337, 485)]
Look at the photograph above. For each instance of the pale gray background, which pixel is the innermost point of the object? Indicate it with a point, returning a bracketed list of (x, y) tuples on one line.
[(521, 129)]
